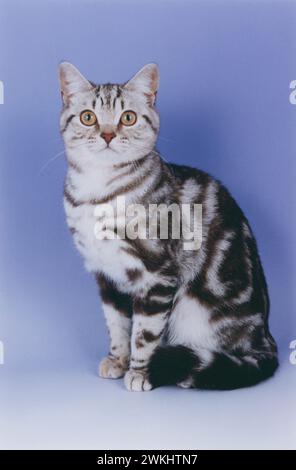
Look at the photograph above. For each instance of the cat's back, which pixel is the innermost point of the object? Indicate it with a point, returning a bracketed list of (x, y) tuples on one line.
[(194, 186)]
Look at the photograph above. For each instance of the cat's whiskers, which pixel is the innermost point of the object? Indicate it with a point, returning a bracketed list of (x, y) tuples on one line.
[(50, 161), (55, 157), (166, 140)]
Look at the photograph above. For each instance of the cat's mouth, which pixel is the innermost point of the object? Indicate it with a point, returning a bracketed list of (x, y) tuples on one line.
[(108, 147)]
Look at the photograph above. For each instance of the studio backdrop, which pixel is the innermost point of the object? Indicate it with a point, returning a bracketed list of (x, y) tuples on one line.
[(226, 106)]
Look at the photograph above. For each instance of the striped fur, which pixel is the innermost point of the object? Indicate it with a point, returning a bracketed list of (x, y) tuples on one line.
[(193, 318)]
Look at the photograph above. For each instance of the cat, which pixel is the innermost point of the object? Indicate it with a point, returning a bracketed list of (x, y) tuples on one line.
[(192, 318)]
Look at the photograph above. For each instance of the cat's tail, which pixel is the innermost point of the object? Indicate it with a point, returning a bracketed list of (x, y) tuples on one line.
[(180, 365)]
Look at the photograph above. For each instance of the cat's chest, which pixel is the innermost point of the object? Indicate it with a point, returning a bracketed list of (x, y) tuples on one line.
[(83, 225), (100, 255)]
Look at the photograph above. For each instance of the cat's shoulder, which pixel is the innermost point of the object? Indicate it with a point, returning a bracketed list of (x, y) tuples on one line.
[(210, 186), (185, 172)]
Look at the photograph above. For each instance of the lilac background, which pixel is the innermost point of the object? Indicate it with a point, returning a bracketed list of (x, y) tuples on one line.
[(224, 104)]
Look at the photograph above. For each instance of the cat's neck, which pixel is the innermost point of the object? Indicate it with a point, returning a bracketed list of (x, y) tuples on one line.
[(95, 180)]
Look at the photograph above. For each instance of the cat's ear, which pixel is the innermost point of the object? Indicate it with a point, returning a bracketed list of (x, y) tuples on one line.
[(72, 82), (145, 81)]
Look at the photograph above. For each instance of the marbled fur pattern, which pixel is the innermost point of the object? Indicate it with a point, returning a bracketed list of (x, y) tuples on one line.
[(196, 318)]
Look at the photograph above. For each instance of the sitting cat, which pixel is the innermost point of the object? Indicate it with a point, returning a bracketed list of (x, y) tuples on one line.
[(196, 318)]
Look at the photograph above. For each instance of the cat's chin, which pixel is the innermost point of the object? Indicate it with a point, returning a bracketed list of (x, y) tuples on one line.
[(107, 152), (111, 148), (118, 156)]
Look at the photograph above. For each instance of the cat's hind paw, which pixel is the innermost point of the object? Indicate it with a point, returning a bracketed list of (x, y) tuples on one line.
[(111, 368), (137, 381)]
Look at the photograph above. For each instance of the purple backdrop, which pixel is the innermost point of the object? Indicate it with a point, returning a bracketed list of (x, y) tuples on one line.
[(225, 69)]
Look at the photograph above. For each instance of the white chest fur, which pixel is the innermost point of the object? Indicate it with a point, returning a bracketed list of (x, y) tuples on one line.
[(99, 255)]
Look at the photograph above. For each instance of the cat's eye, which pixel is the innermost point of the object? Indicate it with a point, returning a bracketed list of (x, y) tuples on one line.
[(128, 118), (88, 118)]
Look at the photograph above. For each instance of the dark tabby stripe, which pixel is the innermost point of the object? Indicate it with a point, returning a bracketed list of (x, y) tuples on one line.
[(130, 163), (133, 168), (152, 261), (161, 289), (112, 296), (118, 91), (74, 166), (140, 361), (133, 274), (147, 119), (67, 122), (70, 198), (118, 166), (149, 337), (122, 190), (151, 307)]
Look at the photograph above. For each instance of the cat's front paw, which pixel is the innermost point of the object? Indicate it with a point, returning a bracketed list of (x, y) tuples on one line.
[(137, 381), (112, 368)]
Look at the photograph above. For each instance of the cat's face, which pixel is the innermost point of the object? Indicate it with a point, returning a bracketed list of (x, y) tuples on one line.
[(108, 123)]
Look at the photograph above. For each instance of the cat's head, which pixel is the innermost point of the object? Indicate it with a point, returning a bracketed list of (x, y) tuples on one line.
[(109, 123)]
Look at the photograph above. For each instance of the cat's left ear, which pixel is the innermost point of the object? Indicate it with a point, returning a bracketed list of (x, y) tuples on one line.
[(146, 81), (72, 82)]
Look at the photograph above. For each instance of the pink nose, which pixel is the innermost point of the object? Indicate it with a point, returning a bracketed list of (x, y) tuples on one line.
[(108, 136)]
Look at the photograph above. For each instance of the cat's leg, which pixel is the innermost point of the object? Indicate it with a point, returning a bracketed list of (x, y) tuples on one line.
[(115, 364), (150, 316), (117, 307), (213, 350)]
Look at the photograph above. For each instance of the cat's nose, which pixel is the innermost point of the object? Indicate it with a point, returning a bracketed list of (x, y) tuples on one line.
[(108, 136)]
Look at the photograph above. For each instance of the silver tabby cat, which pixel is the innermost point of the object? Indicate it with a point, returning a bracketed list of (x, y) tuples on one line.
[(194, 318)]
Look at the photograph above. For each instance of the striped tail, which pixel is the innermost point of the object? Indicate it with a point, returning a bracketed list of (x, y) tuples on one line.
[(174, 364)]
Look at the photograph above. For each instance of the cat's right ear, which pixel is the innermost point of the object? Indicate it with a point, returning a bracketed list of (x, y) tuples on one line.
[(146, 81), (72, 82)]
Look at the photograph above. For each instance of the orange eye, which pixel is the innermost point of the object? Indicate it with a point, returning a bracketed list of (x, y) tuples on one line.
[(88, 118), (128, 118)]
